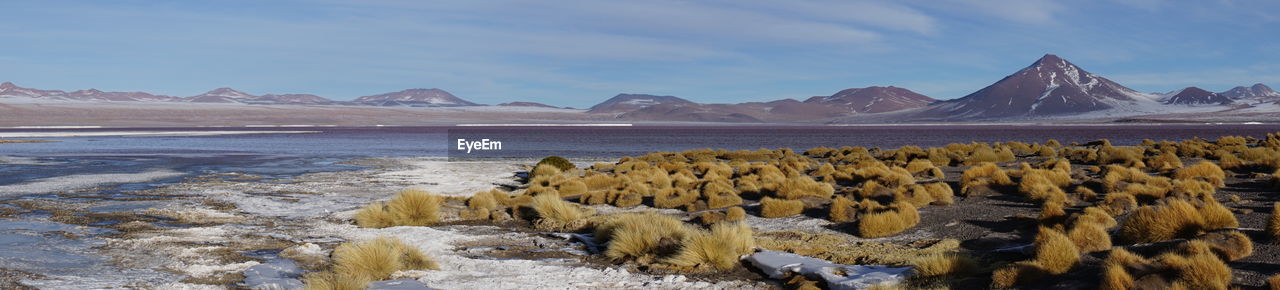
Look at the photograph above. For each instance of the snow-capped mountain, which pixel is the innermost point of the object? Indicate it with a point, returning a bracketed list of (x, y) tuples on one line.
[(1049, 87), (10, 90), (1257, 93), (1196, 96), (221, 95), (874, 99), (631, 102), (415, 97)]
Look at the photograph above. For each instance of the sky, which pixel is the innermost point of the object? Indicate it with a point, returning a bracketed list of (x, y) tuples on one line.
[(580, 52)]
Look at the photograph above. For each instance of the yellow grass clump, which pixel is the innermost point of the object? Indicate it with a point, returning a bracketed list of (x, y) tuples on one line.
[(1274, 282), (1097, 215), (942, 265), (877, 220), (720, 248), (986, 174), (1174, 219), (843, 210), (1016, 273), (925, 168), (1090, 237), (720, 194), (1273, 224), (556, 214), (1229, 245), (644, 236), (802, 186), (776, 208), (1204, 170), (1118, 203), (1055, 251), (1216, 215), (409, 208), (1117, 174), (734, 214), (673, 198), (358, 263)]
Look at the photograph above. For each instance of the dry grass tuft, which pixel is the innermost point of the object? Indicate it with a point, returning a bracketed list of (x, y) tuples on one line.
[(358, 263), (943, 266), (1090, 237), (776, 208), (1216, 216), (1204, 170), (409, 208), (986, 174), (556, 214), (1097, 216), (1017, 273), (719, 248), (843, 210), (1055, 252), (925, 168), (1229, 245), (877, 220), (1174, 219), (735, 214), (673, 198), (802, 186), (1118, 203), (1274, 282), (645, 236)]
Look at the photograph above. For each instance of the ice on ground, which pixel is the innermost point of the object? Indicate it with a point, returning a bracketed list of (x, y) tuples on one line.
[(69, 182), (398, 284), (275, 274), (838, 276), (459, 178)]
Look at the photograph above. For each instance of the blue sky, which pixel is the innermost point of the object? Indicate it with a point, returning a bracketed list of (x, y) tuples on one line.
[(580, 52)]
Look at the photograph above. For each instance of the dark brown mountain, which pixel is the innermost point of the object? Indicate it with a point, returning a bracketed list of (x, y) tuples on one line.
[(416, 97), (630, 102), (527, 104), (874, 99), (1197, 96), (1050, 86)]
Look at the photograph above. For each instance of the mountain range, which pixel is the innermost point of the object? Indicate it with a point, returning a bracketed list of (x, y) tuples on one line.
[(1051, 88)]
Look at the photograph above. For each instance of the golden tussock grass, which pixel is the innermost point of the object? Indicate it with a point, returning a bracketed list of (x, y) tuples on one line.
[(877, 220), (1273, 224), (1089, 237), (1115, 174), (1202, 270), (594, 197), (556, 214), (1055, 252), (720, 194), (645, 235), (802, 186), (1174, 219), (544, 171), (1274, 282), (1017, 273), (673, 198), (720, 248), (1118, 203), (408, 208), (1115, 274), (776, 208), (1038, 186), (1165, 162), (573, 187), (941, 193), (1204, 170), (843, 210), (1086, 194), (1155, 188), (986, 174), (1216, 215), (734, 214), (943, 266), (1098, 216), (358, 263), (598, 182), (1229, 245), (925, 168), (1192, 189)]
